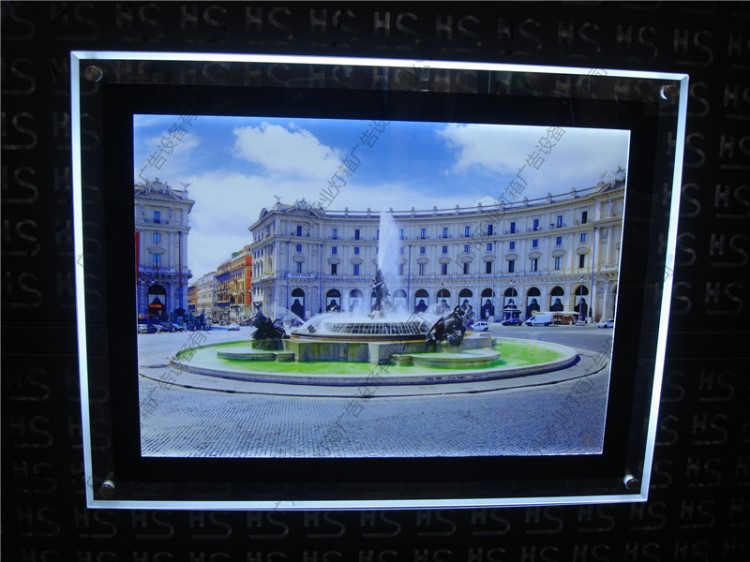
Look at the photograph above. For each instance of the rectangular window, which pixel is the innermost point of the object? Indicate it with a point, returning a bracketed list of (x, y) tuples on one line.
[(466, 248), (467, 231), (511, 266), (558, 263), (489, 247), (535, 243), (157, 237), (536, 224), (356, 250), (423, 249), (559, 221), (511, 245), (421, 269), (156, 259), (488, 267), (445, 249), (581, 261), (401, 250), (157, 217), (355, 269), (583, 237), (335, 233), (489, 230), (513, 228), (334, 269), (299, 266), (584, 217), (334, 249), (534, 264), (466, 269), (445, 232), (356, 234), (401, 269), (443, 269), (299, 247), (401, 233), (299, 230), (423, 233), (558, 241)]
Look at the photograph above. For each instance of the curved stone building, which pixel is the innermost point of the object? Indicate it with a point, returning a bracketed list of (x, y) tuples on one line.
[(559, 253)]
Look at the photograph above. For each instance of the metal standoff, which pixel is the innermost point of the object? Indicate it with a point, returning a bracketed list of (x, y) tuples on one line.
[(668, 93), (93, 73), (632, 484), (107, 489)]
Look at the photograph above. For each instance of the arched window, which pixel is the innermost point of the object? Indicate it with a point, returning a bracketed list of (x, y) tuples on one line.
[(333, 300), (355, 301), (556, 299), (157, 300), (399, 299), (421, 300), (582, 301), (487, 307), (532, 301), (298, 303)]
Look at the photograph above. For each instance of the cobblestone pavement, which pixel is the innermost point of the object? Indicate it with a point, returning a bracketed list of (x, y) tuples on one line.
[(566, 417)]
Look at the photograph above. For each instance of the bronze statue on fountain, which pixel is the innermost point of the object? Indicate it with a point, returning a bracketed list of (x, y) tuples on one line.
[(268, 333), (448, 330), (381, 295)]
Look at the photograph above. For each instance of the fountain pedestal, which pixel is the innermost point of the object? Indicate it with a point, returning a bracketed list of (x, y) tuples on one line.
[(365, 350)]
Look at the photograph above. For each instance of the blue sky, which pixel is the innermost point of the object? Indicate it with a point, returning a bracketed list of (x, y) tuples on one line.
[(235, 166)]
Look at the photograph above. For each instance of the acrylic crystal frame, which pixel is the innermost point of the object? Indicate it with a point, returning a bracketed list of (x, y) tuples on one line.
[(117, 477)]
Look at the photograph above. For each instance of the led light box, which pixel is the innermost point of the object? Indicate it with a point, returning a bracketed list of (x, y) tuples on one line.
[(366, 283)]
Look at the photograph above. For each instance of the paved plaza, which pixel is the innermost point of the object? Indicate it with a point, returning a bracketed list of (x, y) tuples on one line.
[(232, 420)]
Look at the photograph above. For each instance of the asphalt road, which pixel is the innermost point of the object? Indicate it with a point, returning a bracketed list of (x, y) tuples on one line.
[(579, 337)]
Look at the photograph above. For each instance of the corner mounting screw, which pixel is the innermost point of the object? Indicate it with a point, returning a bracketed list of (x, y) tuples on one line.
[(668, 93), (93, 73), (107, 489), (632, 484)]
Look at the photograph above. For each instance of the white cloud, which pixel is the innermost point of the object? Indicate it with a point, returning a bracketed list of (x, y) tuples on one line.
[(227, 203), (287, 150), (166, 165), (488, 147), (578, 159)]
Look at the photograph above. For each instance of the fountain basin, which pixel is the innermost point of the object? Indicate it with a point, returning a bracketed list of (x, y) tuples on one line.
[(204, 360), (377, 352)]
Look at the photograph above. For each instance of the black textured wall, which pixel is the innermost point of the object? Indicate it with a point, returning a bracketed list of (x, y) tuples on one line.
[(699, 508)]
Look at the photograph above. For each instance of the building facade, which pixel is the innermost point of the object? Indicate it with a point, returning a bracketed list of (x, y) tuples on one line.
[(205, 289), (192, 296), (161, 237), (234, 287), (559, 253)]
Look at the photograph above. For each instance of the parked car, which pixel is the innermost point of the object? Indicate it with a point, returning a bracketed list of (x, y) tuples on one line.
[(480, 326), (233, 327), (515, 321), (606, 323), (541, 319), (143, 328), (178, 328)]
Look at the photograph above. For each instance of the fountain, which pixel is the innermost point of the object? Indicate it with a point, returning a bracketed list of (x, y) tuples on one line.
[(425, 341)]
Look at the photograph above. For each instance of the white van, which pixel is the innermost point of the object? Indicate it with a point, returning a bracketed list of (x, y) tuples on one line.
[(540, 319)]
